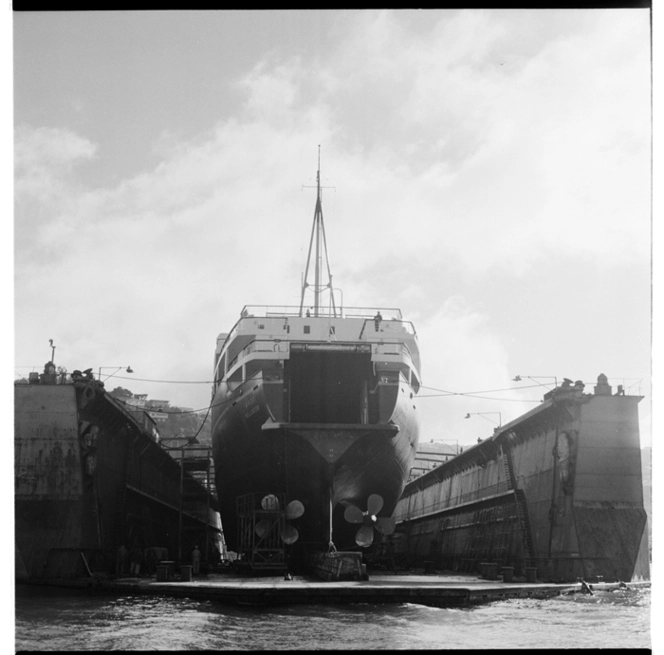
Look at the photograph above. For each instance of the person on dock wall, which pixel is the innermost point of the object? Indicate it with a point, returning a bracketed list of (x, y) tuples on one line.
[(377, 319), (121, 561), (196, 560), (150, 561), (136, 558)]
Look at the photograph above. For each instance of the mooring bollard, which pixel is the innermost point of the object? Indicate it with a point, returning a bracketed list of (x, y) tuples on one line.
[(508, 573), (531, 574)]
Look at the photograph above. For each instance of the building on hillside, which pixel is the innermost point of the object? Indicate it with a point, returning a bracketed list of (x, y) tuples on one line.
[(137, 400), (160, 417), (157, 404)]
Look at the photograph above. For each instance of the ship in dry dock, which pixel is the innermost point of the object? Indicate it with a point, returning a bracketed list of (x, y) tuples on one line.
[(556, 493), (314, 421)]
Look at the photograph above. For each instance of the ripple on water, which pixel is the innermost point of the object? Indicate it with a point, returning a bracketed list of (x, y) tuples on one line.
[(70, 621)]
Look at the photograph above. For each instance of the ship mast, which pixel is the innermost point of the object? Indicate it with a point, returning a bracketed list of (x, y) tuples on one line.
[(318, 237)]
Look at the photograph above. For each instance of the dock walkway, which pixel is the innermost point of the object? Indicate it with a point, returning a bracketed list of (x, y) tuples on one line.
[(439, 590)]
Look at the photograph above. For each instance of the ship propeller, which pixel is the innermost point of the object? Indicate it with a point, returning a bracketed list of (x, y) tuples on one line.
[(288, 533), (369, 520)]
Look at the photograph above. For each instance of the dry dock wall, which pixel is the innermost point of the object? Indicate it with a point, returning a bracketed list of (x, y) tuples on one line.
[(558, 489), (608, 503), (52, 507), (89, 478)]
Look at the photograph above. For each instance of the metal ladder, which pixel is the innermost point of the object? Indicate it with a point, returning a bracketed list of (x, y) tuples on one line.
[(520, 506)]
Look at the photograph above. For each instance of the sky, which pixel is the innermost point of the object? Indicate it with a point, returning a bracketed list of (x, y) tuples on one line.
[(489, 173)]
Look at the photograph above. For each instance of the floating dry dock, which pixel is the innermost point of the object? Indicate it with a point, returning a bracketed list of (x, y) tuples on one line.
[(559, 489), (433, 590), (91, 476)]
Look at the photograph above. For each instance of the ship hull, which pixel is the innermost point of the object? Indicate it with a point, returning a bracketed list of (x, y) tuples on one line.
[(325, 466)]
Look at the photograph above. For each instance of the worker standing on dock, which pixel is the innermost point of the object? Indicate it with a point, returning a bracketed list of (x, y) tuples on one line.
[(120, 561), (196, 560), (377, 319), (150, 561), (136, 558)]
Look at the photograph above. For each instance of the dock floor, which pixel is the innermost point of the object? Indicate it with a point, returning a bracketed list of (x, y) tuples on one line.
[(439, 590)]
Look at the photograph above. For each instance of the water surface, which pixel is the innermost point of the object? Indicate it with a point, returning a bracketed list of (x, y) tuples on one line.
[(55, 619)]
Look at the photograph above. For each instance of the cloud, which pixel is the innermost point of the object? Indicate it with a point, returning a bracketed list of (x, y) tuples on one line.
[(44, 162), (430, 146), (458, 144), (463, 356), (271, 92), (155, 267), (47, 152)]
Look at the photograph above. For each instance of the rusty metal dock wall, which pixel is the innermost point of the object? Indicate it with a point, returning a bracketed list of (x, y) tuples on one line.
[(89, 477), (559, 490)]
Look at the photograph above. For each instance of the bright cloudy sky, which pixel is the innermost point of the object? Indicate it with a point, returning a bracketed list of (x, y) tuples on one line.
[(490, 174)]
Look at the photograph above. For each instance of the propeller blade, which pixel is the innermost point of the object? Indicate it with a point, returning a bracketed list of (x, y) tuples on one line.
[(294, 509), (270, 503), (289, 535), (353, 515), (364, 536), (263, 527), (374, 504), (385, 525)]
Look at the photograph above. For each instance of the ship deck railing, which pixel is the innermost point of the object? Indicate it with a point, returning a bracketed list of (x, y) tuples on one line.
[(280, 311), (397, 323)]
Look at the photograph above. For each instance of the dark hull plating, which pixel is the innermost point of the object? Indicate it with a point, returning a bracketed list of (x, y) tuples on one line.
[(319, 464)]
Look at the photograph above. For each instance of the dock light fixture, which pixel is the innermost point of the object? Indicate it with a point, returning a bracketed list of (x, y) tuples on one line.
[(117, 368), (485, 414)]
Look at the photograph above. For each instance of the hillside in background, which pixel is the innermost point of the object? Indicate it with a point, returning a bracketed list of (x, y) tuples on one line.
[(183, 423), (171, 422)]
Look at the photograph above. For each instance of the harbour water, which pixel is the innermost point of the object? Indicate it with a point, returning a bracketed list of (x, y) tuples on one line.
[(66, 620)]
